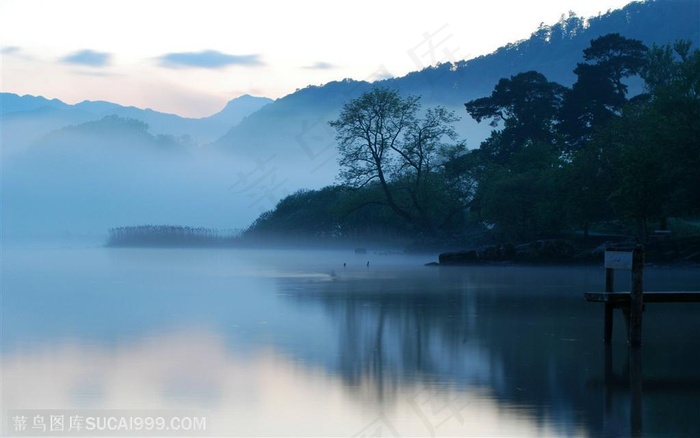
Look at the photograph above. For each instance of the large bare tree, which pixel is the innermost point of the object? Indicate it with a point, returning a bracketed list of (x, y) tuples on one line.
[(382, 138)]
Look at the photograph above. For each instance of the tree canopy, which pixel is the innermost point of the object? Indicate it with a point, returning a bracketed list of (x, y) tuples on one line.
[(558, 159), (382, 138)]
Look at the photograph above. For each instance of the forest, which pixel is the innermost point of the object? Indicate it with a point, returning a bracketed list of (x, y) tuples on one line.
[(593, 158)]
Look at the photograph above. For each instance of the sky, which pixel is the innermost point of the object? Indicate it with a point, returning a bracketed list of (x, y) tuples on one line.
[(190, 57)]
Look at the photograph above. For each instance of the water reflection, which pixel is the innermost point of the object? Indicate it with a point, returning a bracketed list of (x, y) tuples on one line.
[(521, 336), (265, 394), (297, 344), (627, 384)]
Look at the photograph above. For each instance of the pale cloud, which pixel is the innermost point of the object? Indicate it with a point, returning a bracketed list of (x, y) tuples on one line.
[(320, 66), (89, 58), (210, 59), (283, 51), (98, 74), (10, 50)]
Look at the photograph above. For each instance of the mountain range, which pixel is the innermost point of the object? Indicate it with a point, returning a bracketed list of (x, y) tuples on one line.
[(553, 50), (25, 119), (223, 170)]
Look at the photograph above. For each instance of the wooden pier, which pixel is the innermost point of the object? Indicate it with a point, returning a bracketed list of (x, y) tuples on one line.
[(631, 303)]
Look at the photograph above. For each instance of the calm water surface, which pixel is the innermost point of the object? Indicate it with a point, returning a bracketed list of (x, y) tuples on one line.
[(293, 343)]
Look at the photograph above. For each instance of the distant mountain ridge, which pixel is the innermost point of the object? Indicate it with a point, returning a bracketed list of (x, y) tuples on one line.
[(11, 103), (296, 124), (26, 118), (234, 110), (282, 128), (554, 50)]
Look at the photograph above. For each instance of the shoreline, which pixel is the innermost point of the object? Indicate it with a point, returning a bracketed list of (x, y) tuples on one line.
[(494, 255)]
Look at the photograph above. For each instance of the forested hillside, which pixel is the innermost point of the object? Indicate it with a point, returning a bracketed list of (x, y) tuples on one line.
[(559, 159)]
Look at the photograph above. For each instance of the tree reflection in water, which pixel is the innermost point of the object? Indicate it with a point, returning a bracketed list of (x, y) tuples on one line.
[(523, 336)]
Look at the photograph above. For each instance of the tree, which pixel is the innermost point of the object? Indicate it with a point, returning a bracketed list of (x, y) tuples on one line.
[(641, 187), (642, 162), (381, 138), (526, 104), (672, 77), (368, 129), (517, 177), (522, 200), (588, 177), (599, 91), (618, 56)]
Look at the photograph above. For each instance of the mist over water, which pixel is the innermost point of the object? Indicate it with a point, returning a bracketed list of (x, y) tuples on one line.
[(71, 172), (86, 190), (300, 343)]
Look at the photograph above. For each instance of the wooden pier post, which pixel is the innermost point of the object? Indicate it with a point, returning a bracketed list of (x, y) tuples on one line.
[(632, 303), (636, 297), (609, 287), (632, 260), (636, 392)]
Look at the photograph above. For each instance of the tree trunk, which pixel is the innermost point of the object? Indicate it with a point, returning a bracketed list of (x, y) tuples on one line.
[(390, 197)]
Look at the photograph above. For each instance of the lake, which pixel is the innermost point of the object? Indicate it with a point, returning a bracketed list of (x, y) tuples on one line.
[(333, 343)]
